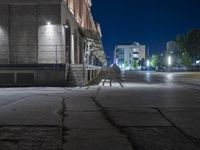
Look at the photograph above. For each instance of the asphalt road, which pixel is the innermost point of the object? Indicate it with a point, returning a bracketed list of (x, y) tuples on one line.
[(134, 111)]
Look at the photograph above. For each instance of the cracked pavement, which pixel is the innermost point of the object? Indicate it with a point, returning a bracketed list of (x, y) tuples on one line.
[(141, 111)]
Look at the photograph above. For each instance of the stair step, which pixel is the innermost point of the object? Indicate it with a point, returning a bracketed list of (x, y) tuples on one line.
[(76, 75)]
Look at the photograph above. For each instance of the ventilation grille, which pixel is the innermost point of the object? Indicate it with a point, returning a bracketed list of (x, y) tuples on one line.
[(25, 78), (7, 78)]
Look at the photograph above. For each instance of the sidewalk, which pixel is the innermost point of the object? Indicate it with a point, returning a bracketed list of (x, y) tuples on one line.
[(195, 82), (102, 120), (86, 125)]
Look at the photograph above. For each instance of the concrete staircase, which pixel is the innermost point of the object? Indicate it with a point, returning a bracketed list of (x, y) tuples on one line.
[(76, 75)]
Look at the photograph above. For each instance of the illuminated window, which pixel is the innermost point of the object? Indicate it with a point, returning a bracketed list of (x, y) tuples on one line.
[(135, 50), (135, 55)]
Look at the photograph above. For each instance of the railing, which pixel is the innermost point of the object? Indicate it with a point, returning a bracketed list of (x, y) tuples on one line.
[(39, 54), (34, 54), (93, 60)]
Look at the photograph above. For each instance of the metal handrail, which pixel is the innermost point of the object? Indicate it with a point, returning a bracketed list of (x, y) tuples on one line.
[(32, 53)]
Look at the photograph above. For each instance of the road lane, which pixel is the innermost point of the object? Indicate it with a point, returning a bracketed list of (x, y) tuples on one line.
[(150, 111)]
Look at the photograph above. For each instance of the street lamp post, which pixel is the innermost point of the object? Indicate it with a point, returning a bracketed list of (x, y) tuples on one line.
[(169, 62), (148, 64)]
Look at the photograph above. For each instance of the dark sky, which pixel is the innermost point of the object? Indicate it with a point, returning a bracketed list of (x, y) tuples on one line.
[(149, 22)]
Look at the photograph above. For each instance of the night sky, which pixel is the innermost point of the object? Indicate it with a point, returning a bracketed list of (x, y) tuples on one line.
[(149, 22)]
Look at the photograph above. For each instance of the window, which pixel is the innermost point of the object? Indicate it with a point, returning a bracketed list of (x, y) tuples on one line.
[(135, 55), (121, 61), (135, 50), (120, 50)]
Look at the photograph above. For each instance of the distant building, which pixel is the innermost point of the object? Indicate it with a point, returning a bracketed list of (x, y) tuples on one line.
[(125, 55), (173, 50), (172, 47)]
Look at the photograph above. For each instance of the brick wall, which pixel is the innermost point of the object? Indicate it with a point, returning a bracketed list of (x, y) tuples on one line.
[(49, 35), (23, 34), (30, 1), (4, 42), (25, 37)]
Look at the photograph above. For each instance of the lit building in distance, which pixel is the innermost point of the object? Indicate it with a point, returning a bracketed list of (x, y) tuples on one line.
[(173, 51), (126, 55), (172, 47)]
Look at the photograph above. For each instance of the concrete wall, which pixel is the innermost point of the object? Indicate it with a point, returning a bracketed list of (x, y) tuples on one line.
[(4, 39), (25, 37), (30, 2), (32, 31), (32, 77), (49, 36), (23, 34), (31, 40), (75, 46), (142, 52)]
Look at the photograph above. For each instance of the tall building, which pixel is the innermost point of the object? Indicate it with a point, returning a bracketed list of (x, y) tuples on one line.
[(173, 50), (126, 55), (49, 42), (172, 47)]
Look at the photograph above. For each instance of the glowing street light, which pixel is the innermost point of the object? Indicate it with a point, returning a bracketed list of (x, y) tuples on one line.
[(48, 23), (169, 60), (148, 63), (66, 26)]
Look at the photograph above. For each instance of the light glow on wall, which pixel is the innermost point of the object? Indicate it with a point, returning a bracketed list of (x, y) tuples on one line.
[(72, 49), (48, 39), (66, 26)]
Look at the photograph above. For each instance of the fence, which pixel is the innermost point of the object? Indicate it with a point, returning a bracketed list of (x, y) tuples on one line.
[(34, 54)]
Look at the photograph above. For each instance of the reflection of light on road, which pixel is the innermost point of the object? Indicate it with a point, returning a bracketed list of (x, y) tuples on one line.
[(148, 76), (143, 85), (169, 77), (147, 73)]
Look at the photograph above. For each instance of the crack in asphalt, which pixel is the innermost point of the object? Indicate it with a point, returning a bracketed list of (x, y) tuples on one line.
[(111, 121), (128, 135), (176, 127), (63, 128)]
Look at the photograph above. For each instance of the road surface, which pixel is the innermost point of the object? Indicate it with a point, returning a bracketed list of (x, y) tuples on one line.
[(134, 111)]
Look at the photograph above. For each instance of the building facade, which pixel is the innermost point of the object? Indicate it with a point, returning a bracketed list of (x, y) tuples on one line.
[(173, 50), (49, 42), (172, 47), (126, 55)]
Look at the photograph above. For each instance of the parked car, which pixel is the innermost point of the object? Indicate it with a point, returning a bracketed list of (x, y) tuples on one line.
[(160, 69)]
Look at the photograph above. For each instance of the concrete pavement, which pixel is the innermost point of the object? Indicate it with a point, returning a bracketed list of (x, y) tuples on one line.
[(145, 112)]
